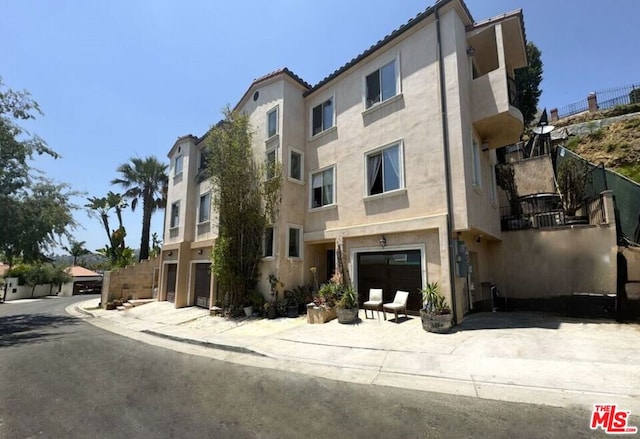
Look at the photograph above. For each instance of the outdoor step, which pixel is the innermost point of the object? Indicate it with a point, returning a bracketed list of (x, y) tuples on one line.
[(138, 302), (127, 305), (121, 308)]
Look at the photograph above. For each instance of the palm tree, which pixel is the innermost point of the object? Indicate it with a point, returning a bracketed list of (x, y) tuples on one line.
[(144, 179), (100, 208), (76, 249)]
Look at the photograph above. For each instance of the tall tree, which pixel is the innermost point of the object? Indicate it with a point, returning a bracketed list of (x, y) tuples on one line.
[(33, 211), (245, 200), (144, 179), (528, 81), (76, 249)]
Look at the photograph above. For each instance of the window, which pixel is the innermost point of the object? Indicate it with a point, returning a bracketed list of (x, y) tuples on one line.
[(295, 164), (384, 170), (322, 117), (271, 163), (177, 168), (294, 241), (272, 122), (267, 243), (381, 84), (322, 188), (203, 160), (175, 215), (204, 210), (475, 156)]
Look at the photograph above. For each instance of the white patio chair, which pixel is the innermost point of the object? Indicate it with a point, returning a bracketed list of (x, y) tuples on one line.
[(399, 304), (374, 303)]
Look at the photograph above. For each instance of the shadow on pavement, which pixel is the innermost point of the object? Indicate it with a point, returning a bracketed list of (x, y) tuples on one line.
[(508, 320), (22, 328)]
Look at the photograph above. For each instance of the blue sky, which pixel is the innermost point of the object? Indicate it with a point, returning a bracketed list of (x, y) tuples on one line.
[(119, 78)]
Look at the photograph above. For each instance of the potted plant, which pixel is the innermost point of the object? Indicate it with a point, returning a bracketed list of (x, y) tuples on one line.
[(435, 313), (291, 304), (347, 306), (270, 310), (247, 307), (301, 296), (322, 309)]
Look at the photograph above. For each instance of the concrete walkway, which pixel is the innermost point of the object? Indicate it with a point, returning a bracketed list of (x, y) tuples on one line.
[(522, 357)]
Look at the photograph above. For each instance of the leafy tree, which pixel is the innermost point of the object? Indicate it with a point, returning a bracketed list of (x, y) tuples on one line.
[(146, 180), (245, 200), (572, 178), (76, 249), (528, 81), (37, 219), (17, 147), (38, 274), (34, 211)]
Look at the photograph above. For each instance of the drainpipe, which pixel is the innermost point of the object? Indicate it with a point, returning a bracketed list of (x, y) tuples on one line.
[(447, 165)]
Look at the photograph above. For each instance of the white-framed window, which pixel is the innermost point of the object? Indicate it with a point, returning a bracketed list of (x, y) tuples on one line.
[(382, 84), (322, 187), (204, 208), (322, 116), (272, 122), (385, 169), (475, 164), (177, 167), (271, 158), (267, 242), (296, 164), (175, 215), (294, 242)]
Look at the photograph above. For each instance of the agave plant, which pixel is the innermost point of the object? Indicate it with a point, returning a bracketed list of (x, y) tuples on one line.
[(433, 301)]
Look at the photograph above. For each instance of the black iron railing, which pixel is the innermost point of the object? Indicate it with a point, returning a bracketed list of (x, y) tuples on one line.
[(609, 98)]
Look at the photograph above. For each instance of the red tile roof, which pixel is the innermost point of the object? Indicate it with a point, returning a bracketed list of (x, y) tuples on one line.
[(77, 271)]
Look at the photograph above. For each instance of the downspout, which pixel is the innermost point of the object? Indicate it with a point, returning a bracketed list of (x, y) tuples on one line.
[(447, 165)]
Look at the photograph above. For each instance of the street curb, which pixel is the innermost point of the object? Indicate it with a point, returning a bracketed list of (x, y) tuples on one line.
[(206, 344), (84, 311)]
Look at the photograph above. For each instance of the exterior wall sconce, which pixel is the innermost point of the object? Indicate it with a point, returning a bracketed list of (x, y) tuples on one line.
[(200, 251), (383, 241), (170, 254), (471, 51)]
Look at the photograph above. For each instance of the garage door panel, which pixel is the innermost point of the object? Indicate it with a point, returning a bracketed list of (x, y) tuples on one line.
[(172, 274), (202, 285), (391, 271)]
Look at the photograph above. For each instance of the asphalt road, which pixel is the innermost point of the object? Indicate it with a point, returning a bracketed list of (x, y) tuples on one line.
[(61, 377)]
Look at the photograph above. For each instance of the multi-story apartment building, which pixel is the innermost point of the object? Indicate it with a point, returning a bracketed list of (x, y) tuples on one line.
[(389, 162)]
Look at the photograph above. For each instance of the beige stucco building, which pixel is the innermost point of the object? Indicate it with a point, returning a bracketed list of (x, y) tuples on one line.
[(388, 162)]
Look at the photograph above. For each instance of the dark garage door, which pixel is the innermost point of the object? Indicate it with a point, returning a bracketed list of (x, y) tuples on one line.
[(391, 271), (202, 285), (172, 271)]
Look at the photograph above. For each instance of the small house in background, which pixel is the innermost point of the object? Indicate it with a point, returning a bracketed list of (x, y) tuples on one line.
[(83, 281)]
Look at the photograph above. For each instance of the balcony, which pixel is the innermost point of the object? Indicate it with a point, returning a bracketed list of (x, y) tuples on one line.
[(496, 49), (494, 114)]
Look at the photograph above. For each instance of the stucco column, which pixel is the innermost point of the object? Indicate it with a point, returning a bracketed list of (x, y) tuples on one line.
[(500, 46), (592, 100), (609, 209)]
